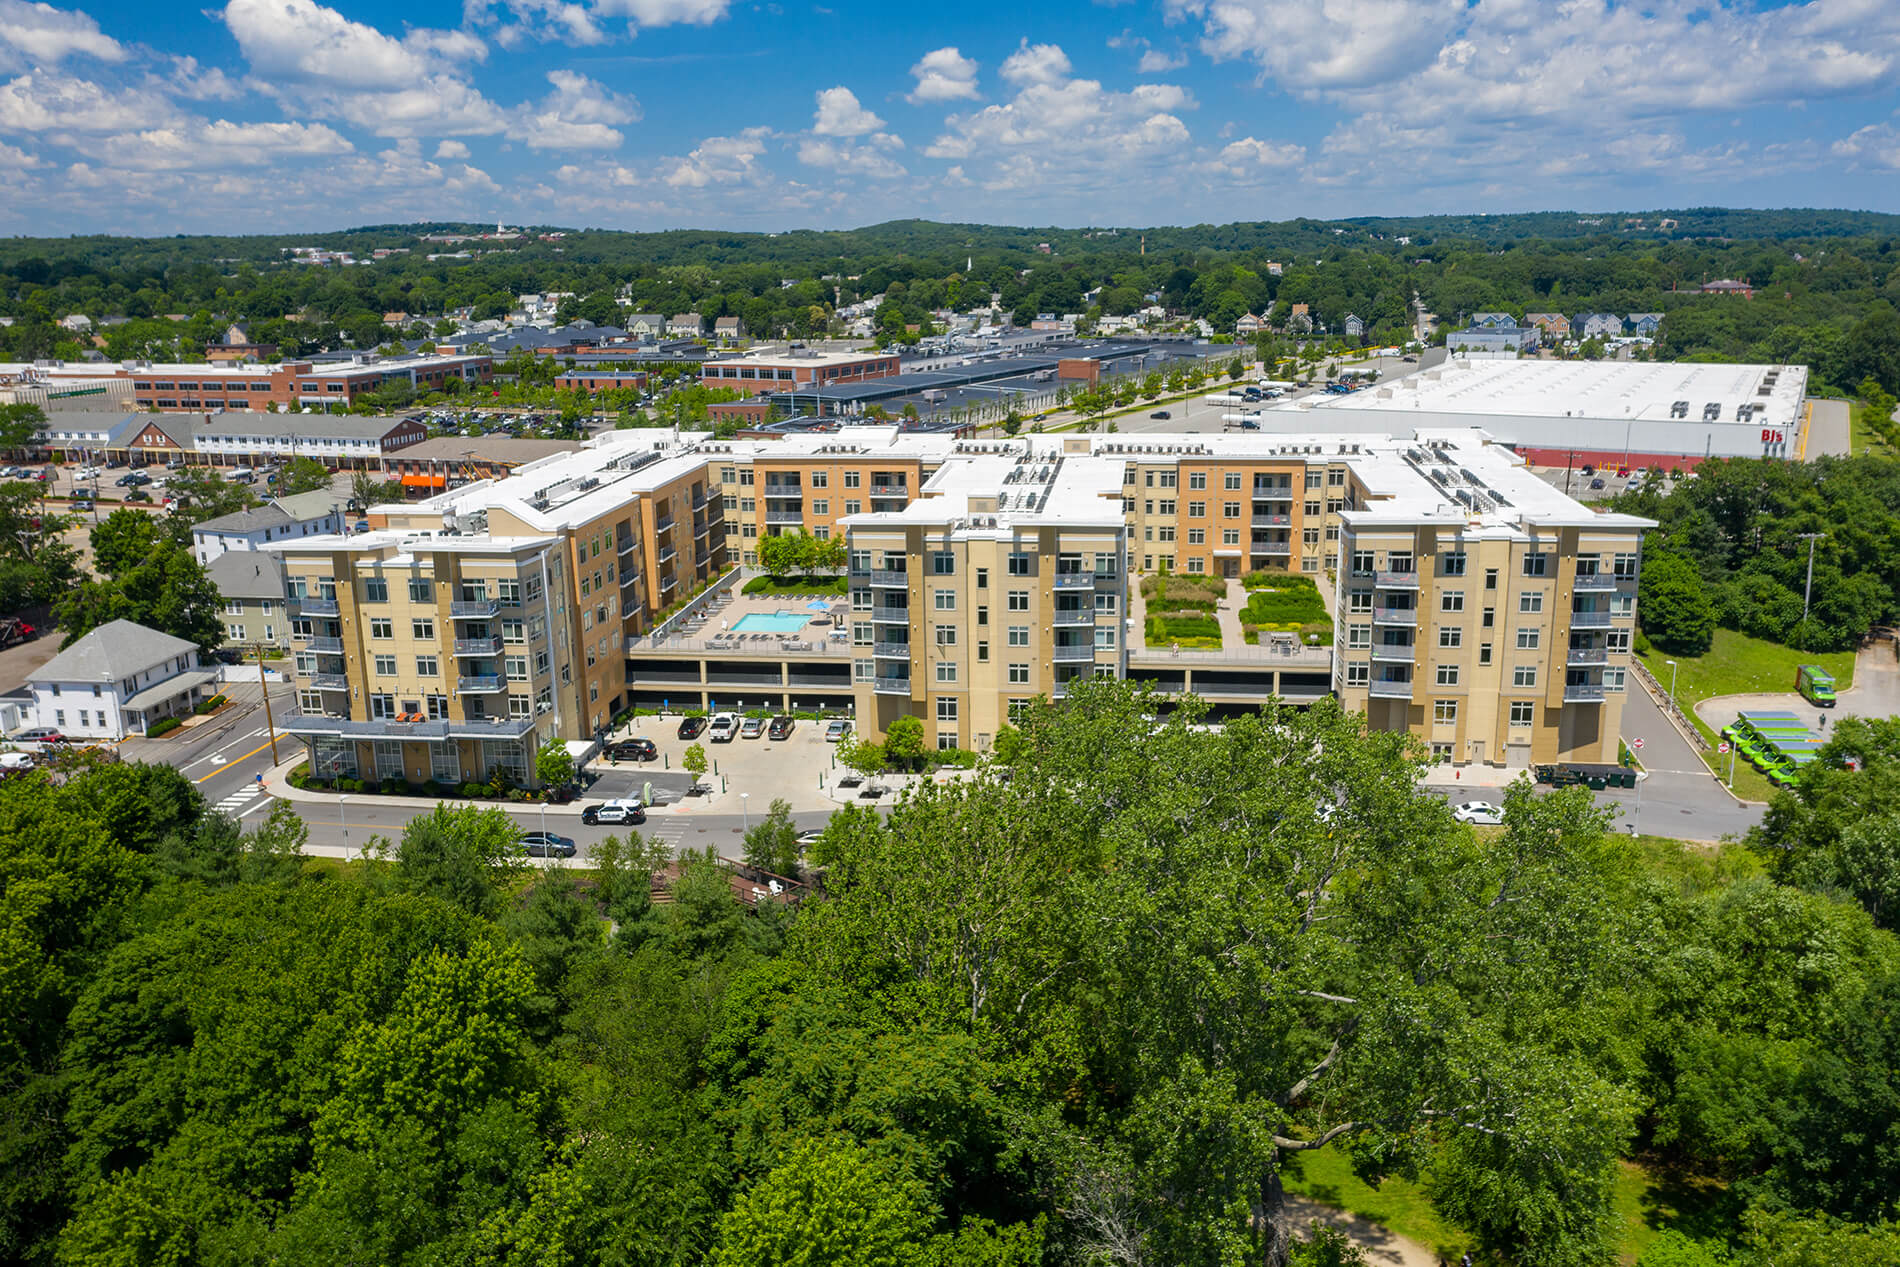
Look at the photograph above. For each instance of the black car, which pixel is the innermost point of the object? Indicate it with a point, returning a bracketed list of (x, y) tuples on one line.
[(781, 728), (692, 727), (1162, 414), (635, 749), (1596, 483), (545, 844)]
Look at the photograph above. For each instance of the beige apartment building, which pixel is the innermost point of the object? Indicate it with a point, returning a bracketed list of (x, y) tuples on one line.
[(1474, 605)]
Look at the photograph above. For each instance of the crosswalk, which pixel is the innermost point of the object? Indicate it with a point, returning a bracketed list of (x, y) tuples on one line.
[(235, 804), (667, 831)]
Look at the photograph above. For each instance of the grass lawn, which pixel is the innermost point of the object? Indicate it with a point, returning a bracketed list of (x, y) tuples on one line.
[(775, 586), (1737, 664), (1863, 438), (1647, 1202), (1325, 1175)]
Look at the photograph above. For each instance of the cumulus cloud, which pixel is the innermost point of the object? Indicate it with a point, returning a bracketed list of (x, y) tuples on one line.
[(943, 74), (44, 101), (17, 160), (1876, 145), (839, 114), (577, 115), (200, 83), (1154, 61), (573, 22), (201, 145), (1036, 64), (34, 34), (719, 160), (451, 149), (1250, 158), (306, 41), (841, 156)]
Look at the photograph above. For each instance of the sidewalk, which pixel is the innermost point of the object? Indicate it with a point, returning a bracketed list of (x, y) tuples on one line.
[(276, 784)]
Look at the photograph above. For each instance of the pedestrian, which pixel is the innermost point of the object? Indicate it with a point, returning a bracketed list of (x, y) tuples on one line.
[(1823, 721)]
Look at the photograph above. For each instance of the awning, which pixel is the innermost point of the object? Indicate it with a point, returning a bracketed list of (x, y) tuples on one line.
[(170, 687), (425, 481)]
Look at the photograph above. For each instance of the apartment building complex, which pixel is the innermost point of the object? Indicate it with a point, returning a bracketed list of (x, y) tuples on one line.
[(1474, 606), (301, 384)]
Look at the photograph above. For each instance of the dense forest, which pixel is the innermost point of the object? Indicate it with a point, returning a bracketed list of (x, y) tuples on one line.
[(1095, 1012), (1826, 284)]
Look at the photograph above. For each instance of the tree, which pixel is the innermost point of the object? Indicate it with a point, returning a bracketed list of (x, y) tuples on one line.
[(772, 843), (302, 475), (826, 1202), (554, 765), (366, 490), (167, 589), (204, 494), (460, 854), (862, 755), (904, 742), (1838, 829), (693, 760), (19, 424), (1673, 605)]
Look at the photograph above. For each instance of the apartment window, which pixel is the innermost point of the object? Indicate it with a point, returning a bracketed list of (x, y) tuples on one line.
[(1441, 752), (375, 590), (1197, 537), (382, 706), (1018, 635), (310, 703), (1622, 604), (982, 578), (1613, 679), (516, 666), (943, 563), (818, 479), (982, 615), (745, 477), (851, 479), (1445, 710), (1625, 567), (381, 627), (1105, 638), (852, 506), (234, 633), (1536, 564), (1524, 675), (520, 706), (1197, 479), (1019, 675), (863, 670), (1309, 536), (946, 710), (306, 665), (385, 666), (1168, 479), (1165, 532), (426, 666), (1451, 565), (422, 630), (1197, 566), (1362, 563), (1527, 639), (982, 653), (1315, 479), (1148, 506), (1523, 712), (1358, 674), (1019, 600), (947, 671), (1530, 601), (1230, 510), (1019, 565), (1332, 532), (1451, 601), (421, 590), (1447, 674), (1451, 637), (1490, 617), (1231, 481), (1358, 636), (944, 600), (1617, 642), (946, 635), (1105, 604), (1484, 653), (820, 506), (1197, 510), (1490, 578), (531, 589), (748, 504), (1167, 505), (513, 631), (1358, 600)]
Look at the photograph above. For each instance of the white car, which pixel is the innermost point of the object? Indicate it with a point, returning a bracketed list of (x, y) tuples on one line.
[(1479, 813), (723, 728), (85, 472), (836, 730)]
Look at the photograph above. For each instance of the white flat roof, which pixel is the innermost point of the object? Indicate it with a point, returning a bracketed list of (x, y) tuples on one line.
[(801, 358)]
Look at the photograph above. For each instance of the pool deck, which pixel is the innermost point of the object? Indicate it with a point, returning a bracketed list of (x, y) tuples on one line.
[(716, 632)]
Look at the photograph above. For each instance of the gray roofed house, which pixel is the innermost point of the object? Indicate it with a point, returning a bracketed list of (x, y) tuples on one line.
[(647, 325), (313, 514), (686, 323), (332, 439), (251, 582), (1491, 320), (117, 679)]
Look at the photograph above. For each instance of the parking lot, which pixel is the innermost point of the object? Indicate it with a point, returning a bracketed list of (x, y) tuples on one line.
[(1600, 483), (801, 768)]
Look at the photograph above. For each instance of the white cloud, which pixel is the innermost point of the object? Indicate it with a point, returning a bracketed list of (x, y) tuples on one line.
[(584, 23), (438, 105), (16, 160), (943, 74), (1249, 158), (1154, 61), (719, 160), (305, 41), (201, 145), (1036, 64), (1878, 144), (577, 115), (402, 167), (451, 149), (839, 114), (1328, 43), (201, 83), (34, 34), (844, 157), (45, 101), (665, 12)]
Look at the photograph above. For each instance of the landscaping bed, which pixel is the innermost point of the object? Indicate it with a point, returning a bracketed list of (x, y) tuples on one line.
[(779, 586), (494, 790), (1180, 610), (1285, 602)]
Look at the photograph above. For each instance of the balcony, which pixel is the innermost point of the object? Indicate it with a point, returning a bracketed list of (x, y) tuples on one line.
[(630, 577), (1583, 692), (317, 606), (701, 527), (485, 684), (1590, 620), (477, 609), (1272, 547), (668, 581), (890, 685), (884, 579), (1074, 616), (1394, 652), (1596, 582), (890, 615), (329, 682), (1268, 493), (1390, 688), (1066, 651), (785, 516), (477, 646), (667, 555), (1278, 521), (326, 646), (892, 650), (784, 490), (1587, 655), (888, 489), (627, 545), (1395, 580), (664, 525), (1395, 616), (1075, 580)]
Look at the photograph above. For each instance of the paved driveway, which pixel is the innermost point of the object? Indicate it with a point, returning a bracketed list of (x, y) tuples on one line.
[(1875, 693)]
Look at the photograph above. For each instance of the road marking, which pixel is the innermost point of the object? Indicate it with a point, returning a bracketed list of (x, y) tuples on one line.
[(216, 756), (244, 795), (261, 805), (227, 765)]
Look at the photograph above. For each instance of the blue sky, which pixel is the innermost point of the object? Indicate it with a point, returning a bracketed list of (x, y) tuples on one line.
[(292, 115)]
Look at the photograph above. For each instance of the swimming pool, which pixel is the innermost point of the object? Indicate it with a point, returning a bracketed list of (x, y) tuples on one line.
[(782, 622)]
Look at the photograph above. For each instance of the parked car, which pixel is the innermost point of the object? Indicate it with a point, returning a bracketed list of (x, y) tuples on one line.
[(781, 728), (40, 734), (81, 505), (132, 479), (85, 472), (1161, 415), (545, 844), (635, 749), (723, 728), (1480, 813), (752, 728), (691, 727), (806, 839), (176, 464), (614, 813), (836, 730), (1597, 482), (15, 762)]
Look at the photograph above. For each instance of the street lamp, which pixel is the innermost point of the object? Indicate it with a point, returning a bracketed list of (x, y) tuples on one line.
[(341, 818), (745, 810), (1807, 591), (1672, 682)]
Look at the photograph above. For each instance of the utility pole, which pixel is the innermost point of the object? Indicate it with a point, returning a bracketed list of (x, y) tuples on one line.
[(1807, 591), (263, 687)]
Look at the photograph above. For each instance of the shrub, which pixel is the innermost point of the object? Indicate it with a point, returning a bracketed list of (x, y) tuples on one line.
[(299, 776), (162, 726), (1278, 580), (393, 785), (472, 790), (210, 705)]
